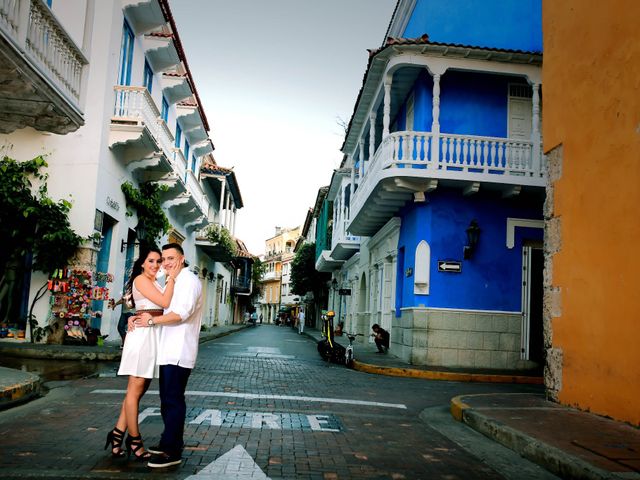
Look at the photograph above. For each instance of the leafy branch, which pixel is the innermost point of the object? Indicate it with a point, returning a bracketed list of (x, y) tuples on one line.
[(148, 206), (220, 236)]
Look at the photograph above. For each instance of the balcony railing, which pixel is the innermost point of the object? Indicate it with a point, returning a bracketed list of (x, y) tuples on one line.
[(464, 157), (35, 31), (341, 235), (271, 276), (134, 104), (193, 185)]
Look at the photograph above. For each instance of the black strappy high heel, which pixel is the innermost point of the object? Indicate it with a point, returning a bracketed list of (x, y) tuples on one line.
[(133, 445), (115, 438)]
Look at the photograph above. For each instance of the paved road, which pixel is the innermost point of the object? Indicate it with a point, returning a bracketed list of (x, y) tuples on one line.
[(262, 404)]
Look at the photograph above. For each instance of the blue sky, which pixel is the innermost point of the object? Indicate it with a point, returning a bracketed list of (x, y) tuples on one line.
[(274, 77)]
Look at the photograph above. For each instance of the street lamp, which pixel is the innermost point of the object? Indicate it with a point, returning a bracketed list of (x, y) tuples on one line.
[(141, 234), (334, 287), (473, 235)]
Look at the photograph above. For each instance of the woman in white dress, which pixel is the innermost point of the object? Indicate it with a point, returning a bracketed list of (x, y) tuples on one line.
[(139, 352)]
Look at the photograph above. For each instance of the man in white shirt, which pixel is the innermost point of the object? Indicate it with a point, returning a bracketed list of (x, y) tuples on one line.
[(177, 352), (301, 321)]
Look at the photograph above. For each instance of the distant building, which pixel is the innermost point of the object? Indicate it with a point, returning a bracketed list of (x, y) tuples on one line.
[(276, 283)]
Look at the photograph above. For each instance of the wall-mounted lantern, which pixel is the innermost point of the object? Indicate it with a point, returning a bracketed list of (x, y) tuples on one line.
[(141, 233), (473, 236)]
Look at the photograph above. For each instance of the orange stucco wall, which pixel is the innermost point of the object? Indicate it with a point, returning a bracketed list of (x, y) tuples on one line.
[(591, 105)]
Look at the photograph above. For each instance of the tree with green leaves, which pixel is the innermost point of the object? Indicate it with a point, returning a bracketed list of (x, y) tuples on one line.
[(258, 270), (304, 276), (36, 231)]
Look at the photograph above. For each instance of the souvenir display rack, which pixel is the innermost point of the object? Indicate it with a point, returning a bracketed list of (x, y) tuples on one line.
[(73, 292)]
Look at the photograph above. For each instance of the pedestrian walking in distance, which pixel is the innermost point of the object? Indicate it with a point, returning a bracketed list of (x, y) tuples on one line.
[(177, 352)]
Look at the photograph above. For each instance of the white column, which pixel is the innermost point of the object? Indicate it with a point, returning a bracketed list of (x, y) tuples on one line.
[(535, 128), (353, 176), (372, 135), (228, 211), (223, 183), (361, 156), (233, 223), (435, 124), (386, 119)]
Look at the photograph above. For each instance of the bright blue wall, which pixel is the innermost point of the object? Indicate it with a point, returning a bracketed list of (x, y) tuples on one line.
[(470, 104), (491, 280), (474, 104), (505, 24)]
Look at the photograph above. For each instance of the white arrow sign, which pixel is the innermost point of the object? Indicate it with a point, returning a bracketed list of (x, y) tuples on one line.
[(449, 266), (236, 464)]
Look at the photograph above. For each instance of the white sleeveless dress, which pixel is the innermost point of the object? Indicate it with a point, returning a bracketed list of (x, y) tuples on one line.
[(139, 355)]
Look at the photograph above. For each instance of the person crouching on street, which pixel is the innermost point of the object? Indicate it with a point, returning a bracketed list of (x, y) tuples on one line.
[(381, 337)]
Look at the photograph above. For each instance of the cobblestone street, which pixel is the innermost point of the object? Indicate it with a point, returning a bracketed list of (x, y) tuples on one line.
[(267, 391)]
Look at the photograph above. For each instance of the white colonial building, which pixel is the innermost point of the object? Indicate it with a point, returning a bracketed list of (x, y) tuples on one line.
[(104, 90)]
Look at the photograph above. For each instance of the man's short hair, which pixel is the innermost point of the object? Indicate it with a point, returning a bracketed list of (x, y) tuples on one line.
[(373, 327), (177, 246)]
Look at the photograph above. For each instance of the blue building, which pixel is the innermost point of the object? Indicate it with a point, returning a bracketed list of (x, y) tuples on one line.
[(443, 185)]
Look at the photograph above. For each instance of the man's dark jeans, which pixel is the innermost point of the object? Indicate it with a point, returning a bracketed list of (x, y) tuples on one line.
[(173, 407)]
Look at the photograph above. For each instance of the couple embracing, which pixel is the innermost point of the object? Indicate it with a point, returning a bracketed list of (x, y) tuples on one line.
[(162, 342)]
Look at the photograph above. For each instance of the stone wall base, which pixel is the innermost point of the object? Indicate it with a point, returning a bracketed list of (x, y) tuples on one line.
[(458, 338)]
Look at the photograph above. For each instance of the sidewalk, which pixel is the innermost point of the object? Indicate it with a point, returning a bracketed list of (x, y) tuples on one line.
[(17, 386), (368, 360), (567, 442)]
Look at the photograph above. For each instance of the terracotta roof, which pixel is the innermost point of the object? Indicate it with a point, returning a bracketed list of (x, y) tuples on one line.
[(214, 169), (166, 11), (322, 193), (173, 74), (424, 40), (187, 104), (160, 34), (242, 249), (211, 168)]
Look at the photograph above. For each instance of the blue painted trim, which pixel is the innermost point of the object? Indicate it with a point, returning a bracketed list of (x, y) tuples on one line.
[(148, 76), (126, 55), (165, 109), (178, 135)]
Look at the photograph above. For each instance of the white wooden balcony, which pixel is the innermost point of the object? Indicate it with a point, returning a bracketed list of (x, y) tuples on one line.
[(326, 263), (136, 121), (408, 164), (195, 188), (343, 245), (271, 276), (144, 142), (41, 70)]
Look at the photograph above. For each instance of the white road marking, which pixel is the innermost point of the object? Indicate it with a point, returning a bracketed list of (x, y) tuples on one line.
[(259, 420), (235, 464), (256, 396), (227, 343)]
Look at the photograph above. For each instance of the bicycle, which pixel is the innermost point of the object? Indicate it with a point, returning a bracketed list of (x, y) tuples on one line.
[(348, 354)]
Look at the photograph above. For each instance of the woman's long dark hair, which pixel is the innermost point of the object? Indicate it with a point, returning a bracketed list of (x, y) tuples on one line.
[(137, 270)]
